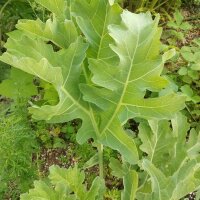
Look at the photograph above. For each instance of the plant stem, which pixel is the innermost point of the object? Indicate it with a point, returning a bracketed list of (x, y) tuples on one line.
[(100, 153)]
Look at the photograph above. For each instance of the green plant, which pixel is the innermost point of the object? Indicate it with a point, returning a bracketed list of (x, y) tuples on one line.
[(184, 73), (56, 135), (66, 184), (10, 12), (101, 67), (17, 146), (150, 5), (48, 135), (183, 68), (63, 136), (189, 72), (48, 94), (18, 85), (70, 129), (159, 177), (164, 144), (177, 29), (113, 194)]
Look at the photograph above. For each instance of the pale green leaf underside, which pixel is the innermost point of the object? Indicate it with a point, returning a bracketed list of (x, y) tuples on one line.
[(139, 70), (176, 187), (62, 69), (171, 168), (162, 144), (93, 19), (130, 181), (61, 33), (122, 86)]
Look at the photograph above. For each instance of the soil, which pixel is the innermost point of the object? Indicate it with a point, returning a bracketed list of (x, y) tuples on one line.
[(49, 157)]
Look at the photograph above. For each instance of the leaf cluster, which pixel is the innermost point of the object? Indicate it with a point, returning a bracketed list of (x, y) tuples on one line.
[(184, 67), (190, 71), (65, 184), (171, 158), (102, 61), (108, 91), (177, 29)]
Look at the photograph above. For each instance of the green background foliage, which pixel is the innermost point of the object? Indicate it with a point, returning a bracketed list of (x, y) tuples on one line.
[(93, 70)]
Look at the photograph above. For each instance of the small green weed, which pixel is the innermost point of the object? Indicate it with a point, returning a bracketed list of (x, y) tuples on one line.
[(189, 72), (49, 135), (184, 68), (176, 30)]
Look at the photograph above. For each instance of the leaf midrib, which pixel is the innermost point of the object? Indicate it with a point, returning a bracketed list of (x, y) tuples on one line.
[(125, 86), (75, 102), (103, 31), (94, 123)]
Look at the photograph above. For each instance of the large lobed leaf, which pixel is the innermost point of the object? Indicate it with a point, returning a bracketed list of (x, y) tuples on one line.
[(172, 162), (93, 19), (65, 184), (62, 33), (124, 63), (121, 88), (137, 45)]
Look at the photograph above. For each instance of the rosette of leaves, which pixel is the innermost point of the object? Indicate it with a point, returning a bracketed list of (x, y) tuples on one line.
[(65, 184), (172, 163), (101, 60), (170, 168)]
